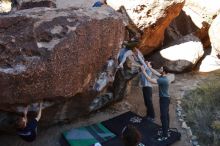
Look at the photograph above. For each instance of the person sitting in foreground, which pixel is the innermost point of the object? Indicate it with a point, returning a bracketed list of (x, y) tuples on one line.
[(131, 136), (27, 130)]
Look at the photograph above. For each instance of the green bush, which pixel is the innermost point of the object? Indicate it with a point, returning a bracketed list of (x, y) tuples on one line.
[(202, 108)]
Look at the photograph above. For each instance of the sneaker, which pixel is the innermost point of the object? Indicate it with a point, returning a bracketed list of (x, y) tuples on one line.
[(159, 132), (169, 133), (162, 138)]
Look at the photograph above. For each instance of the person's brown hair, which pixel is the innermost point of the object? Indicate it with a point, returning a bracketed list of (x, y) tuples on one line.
[(20, 123), (165, 69), (131, 136)]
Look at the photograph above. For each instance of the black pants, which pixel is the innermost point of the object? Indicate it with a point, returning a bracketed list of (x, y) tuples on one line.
[(147, 92), (164, 114)]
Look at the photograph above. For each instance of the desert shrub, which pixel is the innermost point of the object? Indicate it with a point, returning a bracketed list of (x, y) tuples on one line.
[(202, 108)]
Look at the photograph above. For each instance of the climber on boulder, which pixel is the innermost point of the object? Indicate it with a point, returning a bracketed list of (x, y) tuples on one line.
[(27, 129), (133, 54)]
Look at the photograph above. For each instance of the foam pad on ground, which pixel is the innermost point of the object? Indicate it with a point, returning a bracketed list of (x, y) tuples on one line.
[(88, 135), (148, 129)]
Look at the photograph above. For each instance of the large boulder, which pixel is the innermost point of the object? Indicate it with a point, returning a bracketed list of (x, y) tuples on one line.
[(196, 18), (181, 56), (209, 63), (214, 32), (188, 22), (55, 56), (151, 18), (212, 62)]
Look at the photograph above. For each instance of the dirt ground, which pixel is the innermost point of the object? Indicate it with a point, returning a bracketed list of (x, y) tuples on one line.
[(133, 101)]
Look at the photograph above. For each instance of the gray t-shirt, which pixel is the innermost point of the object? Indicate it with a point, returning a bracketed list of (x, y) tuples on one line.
[(163, 84)]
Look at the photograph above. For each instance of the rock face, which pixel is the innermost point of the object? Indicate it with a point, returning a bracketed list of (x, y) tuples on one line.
[(182, 25), (214, 32), (75, 3), (27, 4), (204, 8), (187, 23), (209, 63), (212, 62), (180, 57), (151, 18), (199, 14), (55, 56), (199, 18), (195, 17)]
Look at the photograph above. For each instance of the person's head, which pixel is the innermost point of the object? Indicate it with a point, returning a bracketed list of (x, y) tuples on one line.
[(164, 70), (21, 122), (131, 136), (135, 50), (132, 45)]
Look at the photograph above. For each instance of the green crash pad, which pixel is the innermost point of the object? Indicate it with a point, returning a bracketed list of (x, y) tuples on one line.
[(88, 135)]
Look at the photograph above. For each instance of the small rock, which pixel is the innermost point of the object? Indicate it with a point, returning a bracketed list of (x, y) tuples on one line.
[(179, 113), (189, 132), (179, 102), (194, 143), (181, 120), (184, 125), (194, 137), (178, 98), (194, 140), (179, 108), (183, 115)]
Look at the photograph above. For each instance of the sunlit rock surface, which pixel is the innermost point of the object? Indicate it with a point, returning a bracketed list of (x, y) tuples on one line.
[(5, 6), (181, 56), (212, 62), (202, 14), (185, 24), (206, 9), (214, 32), (209, 63), (55, 56), (151, 17), (195, 17)]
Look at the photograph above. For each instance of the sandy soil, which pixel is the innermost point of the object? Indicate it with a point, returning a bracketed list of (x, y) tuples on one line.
[(133, 101)]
